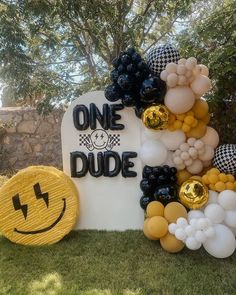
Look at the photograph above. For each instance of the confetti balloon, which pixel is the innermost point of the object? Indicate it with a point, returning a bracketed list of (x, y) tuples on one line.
[(193, 194), (156, 117)]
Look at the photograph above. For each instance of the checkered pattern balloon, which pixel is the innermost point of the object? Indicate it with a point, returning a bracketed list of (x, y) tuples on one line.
[(225, 158), (159, 57)]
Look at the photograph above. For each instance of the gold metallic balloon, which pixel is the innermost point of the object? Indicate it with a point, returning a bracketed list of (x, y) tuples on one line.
[(193, 194), (156, 117)]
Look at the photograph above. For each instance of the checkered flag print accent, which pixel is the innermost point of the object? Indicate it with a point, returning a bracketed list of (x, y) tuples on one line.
[(83, 139), (159, 57), (225, 158), (115, 139)]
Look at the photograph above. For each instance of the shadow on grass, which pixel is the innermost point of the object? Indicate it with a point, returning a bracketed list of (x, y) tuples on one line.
[(108, 263)]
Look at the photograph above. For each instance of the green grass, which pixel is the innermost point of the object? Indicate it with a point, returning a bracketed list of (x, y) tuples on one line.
[(108, 263)]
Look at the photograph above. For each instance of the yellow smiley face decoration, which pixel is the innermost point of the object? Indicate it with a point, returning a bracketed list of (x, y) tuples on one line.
[(38, 206)]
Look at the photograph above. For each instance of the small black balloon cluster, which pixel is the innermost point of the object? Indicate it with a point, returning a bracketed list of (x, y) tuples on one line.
[(133, 83), (158, 184)]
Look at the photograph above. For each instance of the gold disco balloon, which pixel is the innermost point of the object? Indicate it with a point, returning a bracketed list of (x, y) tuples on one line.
[(156, 117), (193, 194)]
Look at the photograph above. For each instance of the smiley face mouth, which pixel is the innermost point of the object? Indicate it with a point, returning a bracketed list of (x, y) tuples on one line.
[(99, 146), (39, 231)]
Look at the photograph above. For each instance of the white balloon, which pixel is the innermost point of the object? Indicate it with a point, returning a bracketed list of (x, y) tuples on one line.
[(182, 222), (208, 153), (202, 223), (192, 243), (152, 134), (190, 230), (230, 218), (172, 139), (180, 234), (195, 214), (233, 230), (193, 222), (211, 137), (227, 199), (153, 153), (200, 85), (215, 213), (212, 198), (172, 228), (210, 232), (200, 236), (223, 244), (169, 160)]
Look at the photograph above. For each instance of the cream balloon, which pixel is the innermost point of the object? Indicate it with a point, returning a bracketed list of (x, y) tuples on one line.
[(204, 70), (196, 167), (179, 99), (201, 85), (208, 153), (153, 153), (172, 139), (211, 137), (223, 243)]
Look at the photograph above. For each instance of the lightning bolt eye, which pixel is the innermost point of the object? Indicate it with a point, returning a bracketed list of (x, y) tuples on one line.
[(96, 136), (40, 195), (17, 205), (102, 136)]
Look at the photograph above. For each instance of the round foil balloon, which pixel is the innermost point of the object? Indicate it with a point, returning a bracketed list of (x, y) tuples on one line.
[(193, 194), (39, 206), (156, 117)]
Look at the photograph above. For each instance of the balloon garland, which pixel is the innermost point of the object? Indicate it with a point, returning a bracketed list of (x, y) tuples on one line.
[(188, 181)]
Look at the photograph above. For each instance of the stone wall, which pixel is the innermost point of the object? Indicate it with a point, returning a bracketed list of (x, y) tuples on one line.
[(31, 139)]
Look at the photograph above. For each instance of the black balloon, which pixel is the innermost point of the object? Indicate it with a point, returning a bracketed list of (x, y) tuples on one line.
[(114, 75), (153, 90), (128, 100), (125, 82), (145, 200), (112, 92), (145, 186), (125, 59), (166, 194)]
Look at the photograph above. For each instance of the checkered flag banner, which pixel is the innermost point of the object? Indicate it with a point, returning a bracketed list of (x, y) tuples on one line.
[(115, 138), (159, 57), (225, 158), (83, 139)]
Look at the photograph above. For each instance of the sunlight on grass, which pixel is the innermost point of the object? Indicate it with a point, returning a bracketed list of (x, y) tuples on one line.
[(108, 292), (50, 284)]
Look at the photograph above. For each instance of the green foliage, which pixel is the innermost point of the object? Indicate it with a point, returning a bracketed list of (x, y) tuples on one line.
[(58, 49), (213, 41), (111, 263)]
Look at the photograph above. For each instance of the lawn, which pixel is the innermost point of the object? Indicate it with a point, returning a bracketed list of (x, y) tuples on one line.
[(108, 263)]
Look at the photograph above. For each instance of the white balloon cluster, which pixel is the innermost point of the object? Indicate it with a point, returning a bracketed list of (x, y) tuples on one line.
[(194, 155), (214, 226), (194, 232), (158, 146)]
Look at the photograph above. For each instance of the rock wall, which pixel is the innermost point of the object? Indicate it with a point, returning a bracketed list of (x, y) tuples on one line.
[(30, 139)]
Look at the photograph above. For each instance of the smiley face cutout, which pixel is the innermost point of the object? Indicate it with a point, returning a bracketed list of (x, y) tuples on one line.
[(99, 139), (38, 206)]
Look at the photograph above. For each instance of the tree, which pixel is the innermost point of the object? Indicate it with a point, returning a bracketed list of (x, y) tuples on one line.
[(213, 41), (58, 49)]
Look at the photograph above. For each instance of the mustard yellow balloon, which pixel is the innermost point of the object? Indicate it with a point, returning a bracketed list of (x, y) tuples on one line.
[(155, 208), (157, 226), (198, 131), (170, 244), (173, 211), (146, 232), (200, 108), (156, 117), (193, 194), (39, 206), (182, 176)]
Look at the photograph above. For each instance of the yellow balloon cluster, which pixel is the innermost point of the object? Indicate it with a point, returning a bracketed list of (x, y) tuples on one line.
[(193, 122), (218, 181), (156, 224)]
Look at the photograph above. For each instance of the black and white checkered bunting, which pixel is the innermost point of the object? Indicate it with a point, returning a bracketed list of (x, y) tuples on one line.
[(159, 57), (225, 158), (83, 139), (115, 139)]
